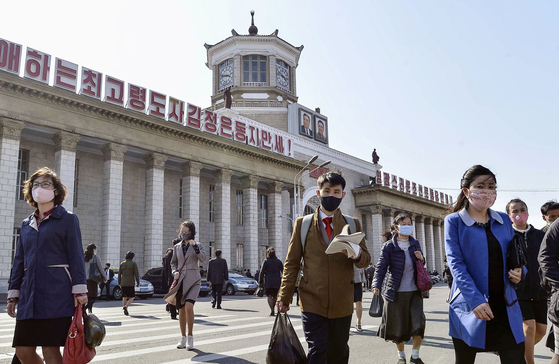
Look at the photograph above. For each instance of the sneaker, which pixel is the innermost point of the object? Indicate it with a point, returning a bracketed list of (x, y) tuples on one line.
[(182, 343), (358, 328), (125, 309), (190, 345), (417, 361), (401, 361)]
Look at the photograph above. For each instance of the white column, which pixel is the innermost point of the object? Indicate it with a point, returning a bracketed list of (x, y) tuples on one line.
[(429, 245), (387, 219), (65, 163), (250, 221), (272, 59), (111, 222), (10, 134), (420, 231), (155, 193), (439, 246), (377, 229), (237, 71), (191, 194), (275, 222), (223, 212)]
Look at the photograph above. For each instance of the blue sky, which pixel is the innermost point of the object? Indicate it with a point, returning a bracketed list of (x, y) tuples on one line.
[(435, 86)]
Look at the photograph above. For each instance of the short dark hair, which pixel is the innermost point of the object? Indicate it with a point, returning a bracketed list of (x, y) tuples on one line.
[(515, 200), (333, 178), (108, 264), (218, 252), (549, 205), (129, 255), (320, 122), (271, 252), (59, 187)]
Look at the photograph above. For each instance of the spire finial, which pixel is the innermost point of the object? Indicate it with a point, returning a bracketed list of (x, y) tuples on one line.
[(253, 30)]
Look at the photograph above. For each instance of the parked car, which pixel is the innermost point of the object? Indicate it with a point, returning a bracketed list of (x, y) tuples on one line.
[(145, 290), (239, 283), (155, 276)]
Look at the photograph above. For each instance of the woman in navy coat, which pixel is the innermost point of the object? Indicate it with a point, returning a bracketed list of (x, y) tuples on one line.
[(484, 314), (48, 276)]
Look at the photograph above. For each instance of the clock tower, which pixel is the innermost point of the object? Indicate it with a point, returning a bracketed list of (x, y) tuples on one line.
[(260, 73)]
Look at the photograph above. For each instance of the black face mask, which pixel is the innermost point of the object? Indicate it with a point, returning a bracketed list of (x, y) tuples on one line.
[(330, 203), (187, 237)]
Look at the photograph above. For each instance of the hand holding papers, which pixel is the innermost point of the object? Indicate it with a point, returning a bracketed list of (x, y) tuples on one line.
[(346, 241)]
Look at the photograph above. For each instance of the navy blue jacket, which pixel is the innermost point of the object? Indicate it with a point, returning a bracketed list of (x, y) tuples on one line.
[(391, 266), (48, 266)]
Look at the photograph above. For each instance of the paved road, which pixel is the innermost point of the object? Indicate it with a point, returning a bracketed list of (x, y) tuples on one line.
[(240, 334)]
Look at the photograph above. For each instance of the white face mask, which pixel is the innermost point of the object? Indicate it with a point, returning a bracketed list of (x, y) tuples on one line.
[(41, 195), (405, 229)]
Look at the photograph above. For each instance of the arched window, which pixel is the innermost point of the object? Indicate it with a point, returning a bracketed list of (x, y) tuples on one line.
[(225, 75), (283, 79), (254, 70)]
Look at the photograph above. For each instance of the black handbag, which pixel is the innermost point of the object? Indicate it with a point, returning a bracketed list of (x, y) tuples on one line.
[(377, 304), (94, 330), (285, 347), (516, 255), (260, 292), (94, 273)]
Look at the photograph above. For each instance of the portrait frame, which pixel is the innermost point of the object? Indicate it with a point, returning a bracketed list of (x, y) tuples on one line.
[(302, 114), (317, 137)]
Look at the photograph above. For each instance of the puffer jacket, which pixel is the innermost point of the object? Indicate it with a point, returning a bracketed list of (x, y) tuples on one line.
[(390, 267), (529, 288)]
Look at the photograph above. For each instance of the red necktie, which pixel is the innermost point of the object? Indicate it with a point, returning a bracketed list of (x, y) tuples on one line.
[(328, 222)]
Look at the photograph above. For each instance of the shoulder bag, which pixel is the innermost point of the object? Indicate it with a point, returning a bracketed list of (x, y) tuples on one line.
[(94, 273), (171, 296), (75, 350), (516, 255), (423, 280), (94, 330)]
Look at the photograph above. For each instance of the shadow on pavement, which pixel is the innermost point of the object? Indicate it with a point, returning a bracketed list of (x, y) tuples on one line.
[(111, 323), (145, 317), (202, 358), (235, 310)]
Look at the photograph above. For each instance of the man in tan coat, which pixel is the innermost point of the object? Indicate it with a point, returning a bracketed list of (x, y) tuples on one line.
[(326, 288)]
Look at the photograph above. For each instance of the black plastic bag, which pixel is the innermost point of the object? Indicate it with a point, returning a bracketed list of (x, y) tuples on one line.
[(285, 347), (376, 306), (260, 292), (94, 331)]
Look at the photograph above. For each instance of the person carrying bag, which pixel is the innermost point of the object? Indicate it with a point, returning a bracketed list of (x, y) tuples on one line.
[(75, 350)]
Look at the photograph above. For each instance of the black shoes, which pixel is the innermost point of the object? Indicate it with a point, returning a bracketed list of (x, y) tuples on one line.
[(219, 307), (416, 361), (125, 309)]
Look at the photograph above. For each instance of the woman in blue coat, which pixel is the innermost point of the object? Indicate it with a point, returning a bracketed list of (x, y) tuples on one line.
[(48, 276), (484, 314)]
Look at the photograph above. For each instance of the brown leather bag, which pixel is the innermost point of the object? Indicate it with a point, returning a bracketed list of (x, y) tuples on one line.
[(75, 349)]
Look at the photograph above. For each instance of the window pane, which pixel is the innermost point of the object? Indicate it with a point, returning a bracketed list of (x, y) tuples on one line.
[(245, 66), (254, 58), (245, 77), (245, 58), (263, 57), (263, 77), (254, 66), (255, 77), (262, 66)]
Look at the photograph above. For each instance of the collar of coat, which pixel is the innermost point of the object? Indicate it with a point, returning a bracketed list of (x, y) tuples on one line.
[(413, 241), (56, 213), (468, 221)]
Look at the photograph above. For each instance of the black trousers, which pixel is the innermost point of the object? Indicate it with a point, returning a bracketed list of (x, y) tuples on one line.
[(217, 291), (108, 288), (467, 355), (327, 338)]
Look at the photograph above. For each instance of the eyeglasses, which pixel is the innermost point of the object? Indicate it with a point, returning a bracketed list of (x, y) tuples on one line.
[(44, 185)]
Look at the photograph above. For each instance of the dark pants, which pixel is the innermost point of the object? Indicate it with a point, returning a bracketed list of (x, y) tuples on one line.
[(327, 338), (217, 291), (172, 309), (108, 289), (467, 355)]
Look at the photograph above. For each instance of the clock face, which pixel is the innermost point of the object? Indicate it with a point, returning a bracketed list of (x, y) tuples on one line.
[(282, 76), (226, 76)]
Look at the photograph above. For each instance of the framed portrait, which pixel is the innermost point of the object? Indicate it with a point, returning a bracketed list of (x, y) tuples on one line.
[(305, 123), (321, 129)]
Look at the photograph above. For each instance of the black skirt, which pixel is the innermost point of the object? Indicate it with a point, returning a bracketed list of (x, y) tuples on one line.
[(42, 332), (128, 291), (403, 318)]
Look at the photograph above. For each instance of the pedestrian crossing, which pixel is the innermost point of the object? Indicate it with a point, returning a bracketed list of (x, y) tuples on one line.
[(149, 335)]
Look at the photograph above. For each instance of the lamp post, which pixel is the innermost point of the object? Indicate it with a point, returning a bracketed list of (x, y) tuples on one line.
[(295, 187), (299, 182)]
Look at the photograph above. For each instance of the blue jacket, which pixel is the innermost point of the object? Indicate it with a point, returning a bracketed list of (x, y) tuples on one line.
[(391, 265), (48, 266), (468, 259)]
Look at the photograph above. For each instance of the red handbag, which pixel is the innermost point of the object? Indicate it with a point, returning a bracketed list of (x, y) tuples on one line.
[(424, 281), (75, 349)]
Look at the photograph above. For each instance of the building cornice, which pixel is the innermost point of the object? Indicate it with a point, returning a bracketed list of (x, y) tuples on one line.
[(82, 104), (391, 191)]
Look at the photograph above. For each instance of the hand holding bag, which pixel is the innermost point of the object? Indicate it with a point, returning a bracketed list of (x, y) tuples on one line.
[(424, 282), (75, 349), (285, 347), (377, 304), (516, 255), (171, 296)]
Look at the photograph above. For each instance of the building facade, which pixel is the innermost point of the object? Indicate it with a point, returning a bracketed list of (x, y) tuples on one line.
[(137, 163)]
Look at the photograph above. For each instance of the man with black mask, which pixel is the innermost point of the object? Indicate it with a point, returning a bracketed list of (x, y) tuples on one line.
[(326, 288)]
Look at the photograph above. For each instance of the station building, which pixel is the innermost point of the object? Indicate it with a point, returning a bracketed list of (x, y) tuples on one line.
[(137, 162)]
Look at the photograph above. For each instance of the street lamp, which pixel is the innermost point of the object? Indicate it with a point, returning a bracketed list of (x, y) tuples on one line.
[(295, 189), (301, 177)]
